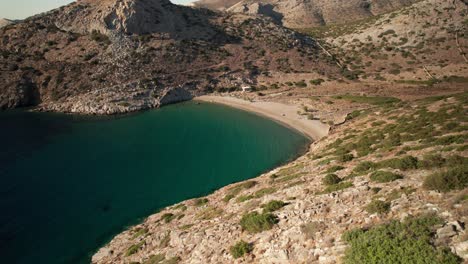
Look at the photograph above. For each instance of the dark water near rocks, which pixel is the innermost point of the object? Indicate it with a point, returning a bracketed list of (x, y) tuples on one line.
[(68, 183)]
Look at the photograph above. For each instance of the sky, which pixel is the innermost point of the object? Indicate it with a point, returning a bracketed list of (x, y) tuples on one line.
[(20, 9)]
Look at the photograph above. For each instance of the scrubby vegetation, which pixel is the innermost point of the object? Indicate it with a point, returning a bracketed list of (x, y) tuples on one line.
[(331, 179), (200, 202), (384, 176), (455, 178), (337, 187), (240, 249), (168, 217), (255, 222), (134, 248), (272, 206), (397, 242), (378, 207)]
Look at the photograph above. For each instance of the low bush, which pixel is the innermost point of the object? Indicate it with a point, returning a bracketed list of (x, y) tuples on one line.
[(378, 207), (364, 167), (154, 259), (167, 217), (134, 248), (255, 222), (384, 176), (240, 249), (431, 161), (272, 206), (337, 187), (331, 179), (317, 81), (99, 37), (200, 202), (405, 163), (397, 242), (455, 178), (334, 169), (346, 157)]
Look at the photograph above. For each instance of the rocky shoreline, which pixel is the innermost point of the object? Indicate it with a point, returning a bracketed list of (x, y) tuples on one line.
[(132, 97)]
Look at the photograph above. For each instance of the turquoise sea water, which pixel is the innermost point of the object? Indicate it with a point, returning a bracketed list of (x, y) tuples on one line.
[(69, 183)]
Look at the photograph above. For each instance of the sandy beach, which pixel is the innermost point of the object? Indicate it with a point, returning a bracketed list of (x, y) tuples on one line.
[(285, 114)]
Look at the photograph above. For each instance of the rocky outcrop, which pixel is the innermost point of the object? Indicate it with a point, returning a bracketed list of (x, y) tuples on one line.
[(5, 22), (121, 99), (138, 17)]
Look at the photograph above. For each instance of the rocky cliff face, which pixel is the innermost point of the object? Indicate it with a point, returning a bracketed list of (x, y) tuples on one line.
[(309, 13), (121, 55)]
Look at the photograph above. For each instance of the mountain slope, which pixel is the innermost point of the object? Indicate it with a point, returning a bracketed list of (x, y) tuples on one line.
[(309, 13), (423, 43), (124, 55), (5, 22)]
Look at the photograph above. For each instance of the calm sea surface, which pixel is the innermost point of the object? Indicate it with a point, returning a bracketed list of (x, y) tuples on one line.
[(70, 183)]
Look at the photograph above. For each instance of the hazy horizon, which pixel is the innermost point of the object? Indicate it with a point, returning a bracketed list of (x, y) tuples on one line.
[(21, 9)]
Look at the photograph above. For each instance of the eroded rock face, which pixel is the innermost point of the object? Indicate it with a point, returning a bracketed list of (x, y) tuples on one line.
[(134, 17)]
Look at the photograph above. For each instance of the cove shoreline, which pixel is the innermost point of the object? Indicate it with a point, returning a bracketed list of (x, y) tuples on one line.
[(282, 113)]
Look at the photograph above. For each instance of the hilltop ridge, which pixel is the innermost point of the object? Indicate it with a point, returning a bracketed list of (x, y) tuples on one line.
[(309, 13)]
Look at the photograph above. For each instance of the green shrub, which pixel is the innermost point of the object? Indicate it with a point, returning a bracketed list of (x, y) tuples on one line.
[(353, 115), (173, 260), (378, 207), (397, 242), (455, 178), (134, 248), (167, 217), (346, 157), (337, 187), (155, 259), (317, 81), (334, 169), (384, 176), (244, 198), (255, 222), (331, 179), (139, 232), (301, 84), (234, 191), (264, 191), (364, 167), (240, 249), (272, 206), (431, 161), (99, 37), (200, 202), (405, 163), (228, 197)]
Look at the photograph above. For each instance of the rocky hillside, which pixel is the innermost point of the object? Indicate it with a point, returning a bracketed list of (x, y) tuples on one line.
[(5, 22), (421, 44), (118, 56), (393, 175), (309, 13)]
